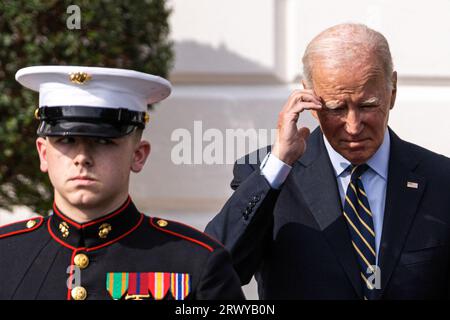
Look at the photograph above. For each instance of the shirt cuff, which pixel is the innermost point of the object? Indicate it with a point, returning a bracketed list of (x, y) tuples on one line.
[(274, 170)]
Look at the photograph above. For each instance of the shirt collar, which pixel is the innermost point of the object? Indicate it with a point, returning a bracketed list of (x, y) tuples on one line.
[(378, 162), (96, 233)]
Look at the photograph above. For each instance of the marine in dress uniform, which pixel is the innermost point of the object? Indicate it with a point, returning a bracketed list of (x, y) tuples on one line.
[(124, 254)]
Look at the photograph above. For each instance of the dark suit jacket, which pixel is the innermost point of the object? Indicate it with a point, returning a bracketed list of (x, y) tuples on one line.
[(296, 241)]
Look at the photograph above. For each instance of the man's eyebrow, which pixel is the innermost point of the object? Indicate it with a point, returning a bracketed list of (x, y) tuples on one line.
[(333, 104), (370, 101)]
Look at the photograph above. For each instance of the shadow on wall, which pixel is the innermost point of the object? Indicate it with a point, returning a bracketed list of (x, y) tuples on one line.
[(196, 62)]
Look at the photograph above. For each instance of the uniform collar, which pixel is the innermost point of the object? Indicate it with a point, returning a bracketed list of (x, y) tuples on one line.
[(96, 233), (378, 162)]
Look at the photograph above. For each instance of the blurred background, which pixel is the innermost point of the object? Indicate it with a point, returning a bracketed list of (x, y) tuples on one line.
[(232, 65)]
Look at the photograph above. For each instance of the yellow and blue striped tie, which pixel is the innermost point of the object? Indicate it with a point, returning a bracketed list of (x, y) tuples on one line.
[(359, 219)]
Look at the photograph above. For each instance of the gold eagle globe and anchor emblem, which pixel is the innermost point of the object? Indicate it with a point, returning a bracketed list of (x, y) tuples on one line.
[(104, 230), (64, 228), (79, 77)]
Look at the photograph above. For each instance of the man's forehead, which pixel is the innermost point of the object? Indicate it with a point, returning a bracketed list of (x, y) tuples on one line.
[(351, 62), (348, 81)]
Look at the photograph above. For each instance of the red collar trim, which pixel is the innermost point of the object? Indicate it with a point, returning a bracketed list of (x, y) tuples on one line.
[(119, 222), (96, 221), (92, 248)]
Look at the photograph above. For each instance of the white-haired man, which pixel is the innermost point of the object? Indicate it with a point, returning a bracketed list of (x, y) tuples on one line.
[(349, 211)]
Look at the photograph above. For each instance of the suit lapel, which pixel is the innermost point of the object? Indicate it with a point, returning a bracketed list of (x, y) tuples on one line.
[(315, 178), (402, 201)]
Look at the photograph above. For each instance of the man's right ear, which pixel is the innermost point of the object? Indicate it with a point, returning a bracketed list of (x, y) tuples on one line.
[(41, 145)]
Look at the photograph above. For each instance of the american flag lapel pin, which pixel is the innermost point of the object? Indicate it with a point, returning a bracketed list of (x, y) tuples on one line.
[(413, 185)]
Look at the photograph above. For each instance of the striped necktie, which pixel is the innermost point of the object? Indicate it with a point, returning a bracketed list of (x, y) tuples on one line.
[(359, 219)]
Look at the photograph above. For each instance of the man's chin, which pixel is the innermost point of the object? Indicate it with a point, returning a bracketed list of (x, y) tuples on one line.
[(85, 200), (357, 157)]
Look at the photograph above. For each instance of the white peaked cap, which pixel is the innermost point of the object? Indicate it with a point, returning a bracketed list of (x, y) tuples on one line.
[(94, 86)]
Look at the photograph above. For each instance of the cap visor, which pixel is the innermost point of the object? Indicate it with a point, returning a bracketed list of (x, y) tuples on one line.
[(86, 129)]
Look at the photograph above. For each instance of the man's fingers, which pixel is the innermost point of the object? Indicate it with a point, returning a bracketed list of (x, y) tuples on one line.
[(299, 101), (300, 106), (304, 96), (292, 115), (290, 143)]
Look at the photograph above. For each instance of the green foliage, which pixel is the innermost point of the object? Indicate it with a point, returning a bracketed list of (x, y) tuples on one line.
[(119, 33)]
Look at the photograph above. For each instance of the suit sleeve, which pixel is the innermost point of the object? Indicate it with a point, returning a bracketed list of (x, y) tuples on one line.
[(245, 223), (219, 280)]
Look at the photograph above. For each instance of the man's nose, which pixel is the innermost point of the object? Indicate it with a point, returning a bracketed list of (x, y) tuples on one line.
[(83, 155), (353, 123)]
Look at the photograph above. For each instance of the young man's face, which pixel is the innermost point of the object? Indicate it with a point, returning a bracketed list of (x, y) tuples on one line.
[(91, 173)]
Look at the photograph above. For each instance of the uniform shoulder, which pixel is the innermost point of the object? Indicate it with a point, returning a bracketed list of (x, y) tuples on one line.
[(20, 227), (185, 232)]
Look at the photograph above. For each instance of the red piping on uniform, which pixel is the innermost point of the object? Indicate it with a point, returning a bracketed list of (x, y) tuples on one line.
[(75, 250), (19, 221), (41, 219), (182, 236), (81, 226), (56, 238), (69, 296), (205, 234), (117, 239), (97, 247)]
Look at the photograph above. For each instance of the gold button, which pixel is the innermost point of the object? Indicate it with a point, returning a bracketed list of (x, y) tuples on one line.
[(104, 230), (79, 293), (81, 260), (31, 224), (162, 223)]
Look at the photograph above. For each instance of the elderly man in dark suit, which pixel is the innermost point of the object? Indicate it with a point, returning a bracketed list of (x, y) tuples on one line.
[(349, 211)]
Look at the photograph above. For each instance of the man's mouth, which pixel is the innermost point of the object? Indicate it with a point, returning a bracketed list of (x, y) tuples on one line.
[(355, 142), (83, 180)]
